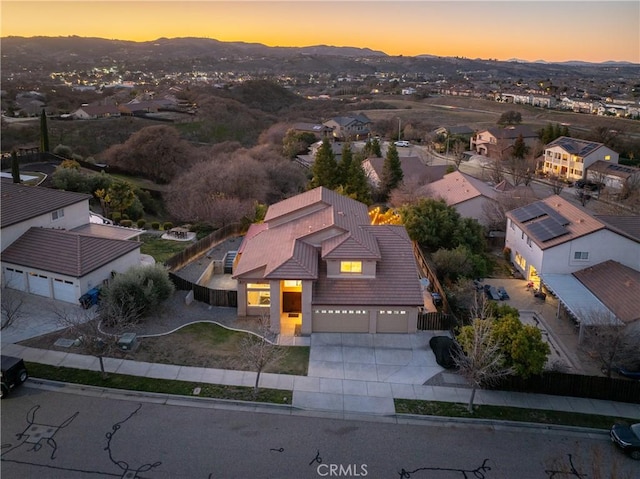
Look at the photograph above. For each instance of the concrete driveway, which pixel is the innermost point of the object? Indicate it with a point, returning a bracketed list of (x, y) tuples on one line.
[(362, 373)]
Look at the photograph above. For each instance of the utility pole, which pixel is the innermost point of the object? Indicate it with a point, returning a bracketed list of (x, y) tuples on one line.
[(399, 129)]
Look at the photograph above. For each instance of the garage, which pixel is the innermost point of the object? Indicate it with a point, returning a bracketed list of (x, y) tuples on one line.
[(15, 279), (392, 321), (340, 320), (39, 284), (64, 290)]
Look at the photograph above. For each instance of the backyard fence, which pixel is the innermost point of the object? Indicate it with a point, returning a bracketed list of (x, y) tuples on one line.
[(196, 249), (214, 297), (428, 321), (565, 384)]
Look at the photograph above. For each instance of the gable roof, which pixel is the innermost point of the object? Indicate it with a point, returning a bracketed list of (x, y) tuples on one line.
[(296, 231), (574, 146), (513, 132), (553, 221), (613, 169), (412, 167), (617, 286), (396, 280), (458, 187), (20, 202), (65, 252)]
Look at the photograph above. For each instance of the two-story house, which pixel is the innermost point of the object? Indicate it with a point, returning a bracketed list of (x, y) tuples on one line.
[(497, 143), (318, 265), (569, 158), (348, 128), (50, 248)]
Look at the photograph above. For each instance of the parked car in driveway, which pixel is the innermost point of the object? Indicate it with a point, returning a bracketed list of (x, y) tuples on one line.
[(14, 373), (436, 298), (627, 438), (402, 143)]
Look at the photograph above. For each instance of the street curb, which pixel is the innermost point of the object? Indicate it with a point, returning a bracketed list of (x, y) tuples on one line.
[(288, 409), (503, 424), (159, 398)]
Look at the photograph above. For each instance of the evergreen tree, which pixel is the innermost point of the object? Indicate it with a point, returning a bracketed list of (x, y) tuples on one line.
[(375, 148), (325, 170), (520, 148), (391, 171), (357, 184), (44, 133), (345, 163)]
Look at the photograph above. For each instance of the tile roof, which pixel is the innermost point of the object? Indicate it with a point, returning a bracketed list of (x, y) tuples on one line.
[(108, 231), (20, 202), (396, 280), (412, 167), (617, 286), (578, 221), (65, 252), (458, 187), (628, 226), (299, 229)]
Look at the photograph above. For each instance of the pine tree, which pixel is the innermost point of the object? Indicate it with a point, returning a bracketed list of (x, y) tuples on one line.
[(520, 148), (391, 171), (15, 167), (44, 133), (357, 184), (345, 163), (325, 168), (375, 148)]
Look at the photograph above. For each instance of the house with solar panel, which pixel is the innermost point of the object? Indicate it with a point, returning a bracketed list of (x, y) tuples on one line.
[(317, 264), (50, 247), (589, 262), (569, 158)]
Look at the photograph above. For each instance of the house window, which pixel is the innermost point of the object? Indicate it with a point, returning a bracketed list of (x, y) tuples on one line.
[(529, 242), (292, 283), (258, 295), (607, 157), (56, 215), (352, 267), (581, 255), (520, 261)]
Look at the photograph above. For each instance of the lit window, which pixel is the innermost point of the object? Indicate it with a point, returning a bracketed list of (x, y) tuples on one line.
[(607, 157), (520, 261), (354, 267), (292, 283), (258, 295)]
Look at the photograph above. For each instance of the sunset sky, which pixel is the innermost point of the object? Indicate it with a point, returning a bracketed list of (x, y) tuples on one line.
[(530, 30)]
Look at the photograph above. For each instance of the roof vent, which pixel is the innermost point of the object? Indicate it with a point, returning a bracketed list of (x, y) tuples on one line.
[(341, 213)]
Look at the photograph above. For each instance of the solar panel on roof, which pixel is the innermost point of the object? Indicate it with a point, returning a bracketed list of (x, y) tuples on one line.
[(547, 229), (529, 212), (554, 214)]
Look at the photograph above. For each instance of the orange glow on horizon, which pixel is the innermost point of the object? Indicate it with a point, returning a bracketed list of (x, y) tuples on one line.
[(502, 30)]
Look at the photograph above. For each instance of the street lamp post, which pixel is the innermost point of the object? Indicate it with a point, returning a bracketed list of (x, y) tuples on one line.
[(399, 129)]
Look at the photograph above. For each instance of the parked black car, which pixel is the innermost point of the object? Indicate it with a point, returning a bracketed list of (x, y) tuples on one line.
[(14, 373), (627, 438)]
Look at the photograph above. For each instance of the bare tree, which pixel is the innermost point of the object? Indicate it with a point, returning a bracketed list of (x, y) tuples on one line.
[(495, 212), (12, 303), (557, 184), (257, 352), (613, 343), (86, 326), (480, 360), (495, 171)]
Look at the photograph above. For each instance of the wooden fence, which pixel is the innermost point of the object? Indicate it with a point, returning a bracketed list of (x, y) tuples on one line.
[(214, 297), (564, 384), (205, 244), (436, 322), (428, 270)]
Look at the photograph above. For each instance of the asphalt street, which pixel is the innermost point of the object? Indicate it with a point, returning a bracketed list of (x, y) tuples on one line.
[(49, 434)]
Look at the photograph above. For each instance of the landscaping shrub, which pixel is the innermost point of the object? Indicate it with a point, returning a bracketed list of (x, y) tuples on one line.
[(125, 216), (167, 226), (126, 223), (116, 217), (155, 225), (141, 222)]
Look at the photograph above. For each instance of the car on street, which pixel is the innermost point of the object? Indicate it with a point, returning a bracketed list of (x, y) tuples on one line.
[(14, 373), (627, 438), (402, 143)]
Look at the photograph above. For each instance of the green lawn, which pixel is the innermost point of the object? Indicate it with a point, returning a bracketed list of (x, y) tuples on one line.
[(504, 413), (161, 249)]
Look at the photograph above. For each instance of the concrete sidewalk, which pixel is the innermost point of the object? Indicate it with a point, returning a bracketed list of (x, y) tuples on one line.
[(372, 375)]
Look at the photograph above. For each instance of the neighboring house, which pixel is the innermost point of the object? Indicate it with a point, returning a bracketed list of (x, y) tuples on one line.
[(606, 294), (613, 175), (92, 112), (552, 236), (308, 160), (569, 158), (355, 127), (497, 143), (318, 130), (412, 169), (468, 195), (49, 248), (316, 264)]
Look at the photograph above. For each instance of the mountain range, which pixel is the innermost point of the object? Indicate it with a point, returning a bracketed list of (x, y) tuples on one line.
[(205, 54)]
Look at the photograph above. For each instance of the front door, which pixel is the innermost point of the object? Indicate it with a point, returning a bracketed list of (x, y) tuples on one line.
[(291, 302)]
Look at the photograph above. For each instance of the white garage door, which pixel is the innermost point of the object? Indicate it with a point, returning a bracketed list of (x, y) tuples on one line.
[(39, 284), (15, 279), (64, 290)]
